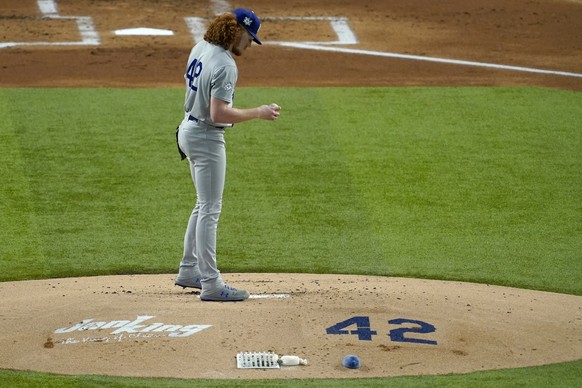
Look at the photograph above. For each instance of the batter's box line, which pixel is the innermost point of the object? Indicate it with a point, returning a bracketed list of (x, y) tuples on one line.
[(49, 10), (340, 25)]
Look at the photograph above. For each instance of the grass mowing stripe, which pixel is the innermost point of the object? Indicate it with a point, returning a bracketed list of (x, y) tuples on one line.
[(469, 183), (124, 209), (488, 191), (100, 165), (565, 375), (19, 239), (289, 200)]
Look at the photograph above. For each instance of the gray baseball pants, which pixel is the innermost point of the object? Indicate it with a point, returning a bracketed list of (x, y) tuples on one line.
[(205, 148)]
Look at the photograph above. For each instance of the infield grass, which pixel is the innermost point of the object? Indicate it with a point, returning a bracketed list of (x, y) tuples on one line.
[(468, 184), (565, 375)]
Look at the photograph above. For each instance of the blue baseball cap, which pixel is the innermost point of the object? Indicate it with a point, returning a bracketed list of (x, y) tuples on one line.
[(249, 21)]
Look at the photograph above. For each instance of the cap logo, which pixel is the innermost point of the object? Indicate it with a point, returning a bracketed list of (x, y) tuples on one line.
[(249, 21)]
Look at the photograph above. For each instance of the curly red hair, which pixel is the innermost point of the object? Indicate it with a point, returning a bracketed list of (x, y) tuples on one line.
[(222, 31)]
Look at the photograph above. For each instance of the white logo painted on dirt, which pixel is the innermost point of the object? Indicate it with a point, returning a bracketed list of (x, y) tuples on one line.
[(129, 329)]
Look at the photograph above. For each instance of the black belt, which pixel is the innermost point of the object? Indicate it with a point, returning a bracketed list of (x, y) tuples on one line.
[(192, 118)]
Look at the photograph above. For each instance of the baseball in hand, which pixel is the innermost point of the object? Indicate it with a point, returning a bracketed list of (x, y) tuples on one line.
[(276, 110)]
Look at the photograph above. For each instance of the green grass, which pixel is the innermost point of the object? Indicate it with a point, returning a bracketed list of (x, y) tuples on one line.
[(470, 184), (559, 375)]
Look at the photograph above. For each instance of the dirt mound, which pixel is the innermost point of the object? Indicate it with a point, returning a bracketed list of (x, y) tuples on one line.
[(143, 325)]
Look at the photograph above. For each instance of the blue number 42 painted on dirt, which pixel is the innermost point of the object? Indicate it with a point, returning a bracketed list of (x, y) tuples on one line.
[(365, 333)]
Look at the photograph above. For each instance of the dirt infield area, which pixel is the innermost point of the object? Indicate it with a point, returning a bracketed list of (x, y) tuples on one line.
[(352, 42), (146, 326)]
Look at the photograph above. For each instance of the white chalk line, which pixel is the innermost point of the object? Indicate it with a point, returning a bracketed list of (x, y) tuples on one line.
[(49, 10), (322, 47), (340, 26), (48, 7), (347, 37), (197, 27), (221, 6)]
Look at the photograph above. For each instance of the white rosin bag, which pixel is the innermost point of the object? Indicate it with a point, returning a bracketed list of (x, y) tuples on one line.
[(266, 360)]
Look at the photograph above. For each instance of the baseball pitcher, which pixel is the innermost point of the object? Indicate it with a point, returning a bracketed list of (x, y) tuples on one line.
[(211, 75)]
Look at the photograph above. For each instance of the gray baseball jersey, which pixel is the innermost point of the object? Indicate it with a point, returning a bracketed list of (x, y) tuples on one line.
[(211, 72)]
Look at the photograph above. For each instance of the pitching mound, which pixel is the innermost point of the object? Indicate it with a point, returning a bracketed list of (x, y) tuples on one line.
[(145, 326)]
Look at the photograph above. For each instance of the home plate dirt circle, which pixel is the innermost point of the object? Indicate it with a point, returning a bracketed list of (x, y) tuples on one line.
[(143, 325)]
